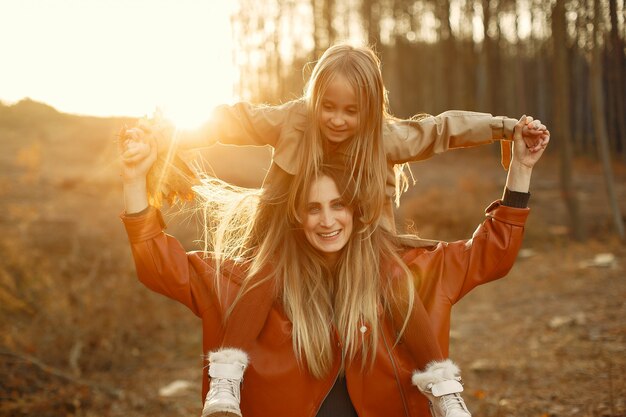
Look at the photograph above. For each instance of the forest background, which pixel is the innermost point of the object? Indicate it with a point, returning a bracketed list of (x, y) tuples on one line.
[(80, 336)]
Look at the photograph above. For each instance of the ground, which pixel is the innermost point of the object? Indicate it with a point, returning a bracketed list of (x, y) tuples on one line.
[(81, 337)]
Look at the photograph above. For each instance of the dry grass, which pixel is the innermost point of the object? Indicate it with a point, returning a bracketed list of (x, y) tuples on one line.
[(80, 336)]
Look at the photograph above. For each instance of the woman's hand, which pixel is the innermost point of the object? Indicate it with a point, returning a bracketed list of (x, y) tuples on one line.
[(525, 156), (137, 153)]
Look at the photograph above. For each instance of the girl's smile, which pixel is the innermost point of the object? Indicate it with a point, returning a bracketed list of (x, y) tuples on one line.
[(339, 115)]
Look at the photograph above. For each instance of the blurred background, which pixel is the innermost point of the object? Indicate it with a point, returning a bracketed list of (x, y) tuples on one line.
[(79, 336)]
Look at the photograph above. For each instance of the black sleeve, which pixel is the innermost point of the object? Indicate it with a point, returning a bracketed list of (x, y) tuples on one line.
[(515, 199)]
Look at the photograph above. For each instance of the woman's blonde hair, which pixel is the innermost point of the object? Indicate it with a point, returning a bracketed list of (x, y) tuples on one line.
[(316, 297)]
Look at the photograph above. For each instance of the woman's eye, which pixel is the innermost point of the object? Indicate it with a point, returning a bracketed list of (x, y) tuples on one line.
[(339, 205)]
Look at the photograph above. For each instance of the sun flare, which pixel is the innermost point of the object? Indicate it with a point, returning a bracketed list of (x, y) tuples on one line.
[(119, 58), (189, 101)]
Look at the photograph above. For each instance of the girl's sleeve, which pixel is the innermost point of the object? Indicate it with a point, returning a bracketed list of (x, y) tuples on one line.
[(451, 270), (414, 140), (255, 125), (165, 267)]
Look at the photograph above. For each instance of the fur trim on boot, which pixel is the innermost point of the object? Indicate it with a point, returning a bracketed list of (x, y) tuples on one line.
[(436, 371), (440, 382), (226, 369), (229, 356)]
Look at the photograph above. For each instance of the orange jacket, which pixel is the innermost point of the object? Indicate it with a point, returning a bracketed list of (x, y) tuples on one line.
[(274, 383)]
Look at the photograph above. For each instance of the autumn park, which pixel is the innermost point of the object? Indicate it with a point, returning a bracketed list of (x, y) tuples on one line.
[(81, 336)]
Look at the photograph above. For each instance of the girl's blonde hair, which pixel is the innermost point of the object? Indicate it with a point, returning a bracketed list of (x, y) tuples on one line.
[(366, 159), (316, 297)]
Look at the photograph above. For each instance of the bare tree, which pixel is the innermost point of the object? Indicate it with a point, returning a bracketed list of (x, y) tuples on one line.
[(538, 47), (508, 70), (562, 129), (483, 101), (319, 42), (579, 63), (599, 122), (450, 53), (615, 74), (329, 7), (324, 33), (370, 14), (495, 54)]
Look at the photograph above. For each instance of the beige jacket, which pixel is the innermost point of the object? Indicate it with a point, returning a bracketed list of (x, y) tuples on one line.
[(283, 127)]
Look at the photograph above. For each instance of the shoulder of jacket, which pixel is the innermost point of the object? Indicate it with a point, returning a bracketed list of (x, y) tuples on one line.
[(297, 111), (411, 253)]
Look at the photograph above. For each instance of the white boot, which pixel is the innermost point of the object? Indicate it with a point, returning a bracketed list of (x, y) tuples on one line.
[(440, 382), (226, 368)]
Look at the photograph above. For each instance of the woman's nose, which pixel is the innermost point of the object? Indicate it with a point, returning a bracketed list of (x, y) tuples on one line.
[(327, 219)]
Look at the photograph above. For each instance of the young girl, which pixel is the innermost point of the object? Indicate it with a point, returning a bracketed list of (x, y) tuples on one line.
[(327, 275), (344, 112)]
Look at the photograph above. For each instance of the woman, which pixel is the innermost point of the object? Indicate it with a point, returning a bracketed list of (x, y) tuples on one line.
[(328, 322)]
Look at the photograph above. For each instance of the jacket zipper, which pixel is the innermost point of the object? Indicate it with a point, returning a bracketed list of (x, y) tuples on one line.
[(395, 372), (317, 410)]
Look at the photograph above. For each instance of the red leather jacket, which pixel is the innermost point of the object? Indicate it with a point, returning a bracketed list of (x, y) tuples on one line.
[(274, 384)]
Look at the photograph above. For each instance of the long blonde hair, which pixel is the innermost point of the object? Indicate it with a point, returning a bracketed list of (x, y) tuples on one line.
[(367, 161), (264, 229), (316, 297)]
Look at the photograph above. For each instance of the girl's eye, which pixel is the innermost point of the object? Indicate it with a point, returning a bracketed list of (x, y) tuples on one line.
[(339, 205), (313, 209)]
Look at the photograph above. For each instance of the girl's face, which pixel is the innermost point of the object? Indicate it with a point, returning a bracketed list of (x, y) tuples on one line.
[(339, 115), (327, 221)]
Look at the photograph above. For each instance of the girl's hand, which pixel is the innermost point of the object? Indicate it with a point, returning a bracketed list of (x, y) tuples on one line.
[(137, 153), (528, 149)]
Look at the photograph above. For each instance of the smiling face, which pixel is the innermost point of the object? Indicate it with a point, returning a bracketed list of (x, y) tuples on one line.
[(339, 112), (327, 220)]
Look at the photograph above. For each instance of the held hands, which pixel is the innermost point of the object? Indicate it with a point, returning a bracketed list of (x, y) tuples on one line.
[(534, 133), (137, 153), (528, 146), (530, 139), (153, 172)]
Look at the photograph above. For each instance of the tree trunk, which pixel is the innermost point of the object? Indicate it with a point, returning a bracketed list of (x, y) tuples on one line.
[(495, 74), (278, 71), (370, 15), (482, 70), (318, 24), (485, 71), (580, 79), (597, 100), (616, 77), (329, 6), (561, 112), (450, 57), (539, 64), (517, 68)]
